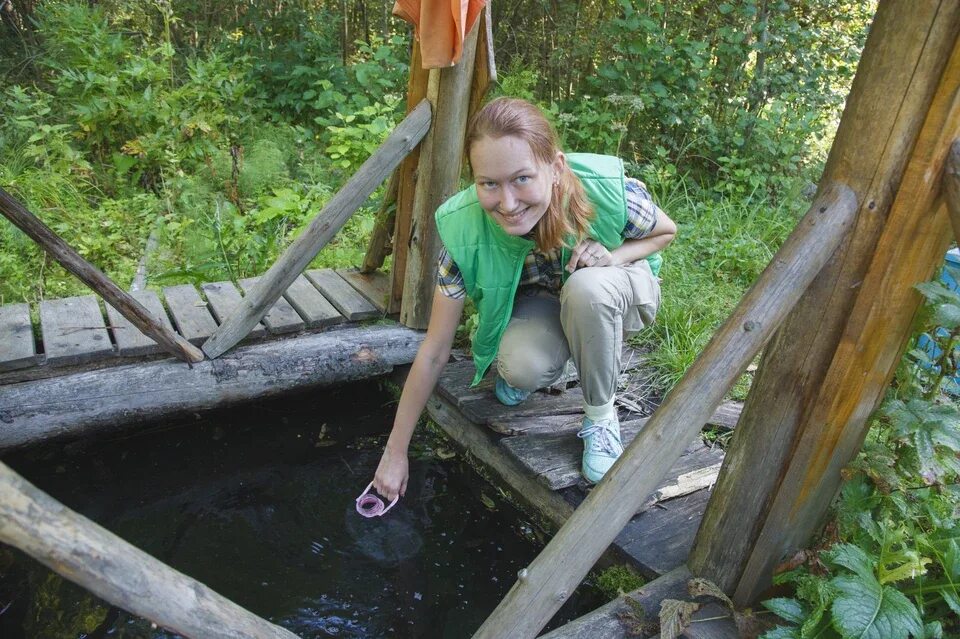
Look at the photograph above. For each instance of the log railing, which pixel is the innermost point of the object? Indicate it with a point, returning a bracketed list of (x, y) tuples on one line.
[(320, 231), (544, 585), (93, 557), (93, 277)]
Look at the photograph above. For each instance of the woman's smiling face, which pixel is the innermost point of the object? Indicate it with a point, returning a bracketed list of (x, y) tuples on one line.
[(512, 185)]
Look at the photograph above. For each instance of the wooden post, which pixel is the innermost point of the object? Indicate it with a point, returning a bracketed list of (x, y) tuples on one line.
[(951, 188), (93, 277), (416, 92), (320, 231), (831, 362), (93, 557), (379, 246), (438, 178), (549, 580)]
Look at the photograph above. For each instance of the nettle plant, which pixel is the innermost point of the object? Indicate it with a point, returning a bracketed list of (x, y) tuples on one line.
[(892, 568)]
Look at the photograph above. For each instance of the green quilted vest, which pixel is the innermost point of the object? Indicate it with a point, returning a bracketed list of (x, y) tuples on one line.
[(491, 261)]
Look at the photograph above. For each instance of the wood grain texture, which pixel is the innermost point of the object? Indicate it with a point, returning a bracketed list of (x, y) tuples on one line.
[(282, 317), (951, 188), (351, 304), (375, 286), (190, 313), (130, 340), (821, 374), (90, 275), (558, 569), (224, 298), (379, 245), (17, 349), (74, 331), (116, 571), (320, 231), (312, 306), (438, 176), (416, 92), (97, 401)]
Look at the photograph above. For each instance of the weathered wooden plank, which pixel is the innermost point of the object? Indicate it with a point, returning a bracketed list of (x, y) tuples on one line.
[(348, 301), (711, 621), (131, 340), (224, 298), (74, 331), (90, 275), (555, 458), (320, 230), (98, 401), (724, 417), (17, 349), (312, 306), (374, 286), (93, 557), (831, 362), (572, 552), (951, 188), (282, 317), (486, 409), (438, 176), (190, 313)]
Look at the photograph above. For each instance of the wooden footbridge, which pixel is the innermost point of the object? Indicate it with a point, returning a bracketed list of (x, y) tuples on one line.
[(832, 315)]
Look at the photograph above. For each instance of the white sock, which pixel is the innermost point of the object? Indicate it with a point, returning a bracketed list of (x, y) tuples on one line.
[(597, 413)]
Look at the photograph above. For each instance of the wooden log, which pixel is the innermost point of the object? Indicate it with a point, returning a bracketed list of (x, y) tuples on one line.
[(951, 188), (438, 176), (416, 92), (569, 556), (96, 401), (829, 364), (95, 279), (320, 231), (379, 246), (17, 349), (116, 571), (711, 621), (485, 67)]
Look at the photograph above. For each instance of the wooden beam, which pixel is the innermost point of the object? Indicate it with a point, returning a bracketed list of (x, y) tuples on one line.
[(951, 188), (104, 400), (569, 556), (93, 277), (416, 91), (106, 565), (379, 246), (320, 231), (828, 366), (438, 177)]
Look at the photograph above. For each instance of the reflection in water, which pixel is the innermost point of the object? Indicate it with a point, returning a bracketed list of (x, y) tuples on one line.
[(254, 503)]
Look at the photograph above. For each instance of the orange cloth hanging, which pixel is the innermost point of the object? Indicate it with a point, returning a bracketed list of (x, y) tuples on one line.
[(440, 26)]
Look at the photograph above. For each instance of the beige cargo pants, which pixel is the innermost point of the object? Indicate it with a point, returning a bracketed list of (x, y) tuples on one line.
[(596, 308)]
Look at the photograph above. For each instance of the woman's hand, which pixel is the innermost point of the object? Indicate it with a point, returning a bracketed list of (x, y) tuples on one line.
[(589, 253), (392, 474)]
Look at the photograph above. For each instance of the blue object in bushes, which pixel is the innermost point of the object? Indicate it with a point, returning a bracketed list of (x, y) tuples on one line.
[(924, 342)]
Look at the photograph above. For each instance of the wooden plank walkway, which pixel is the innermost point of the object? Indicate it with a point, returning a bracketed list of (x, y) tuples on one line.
[(533, 447), (74, 333)]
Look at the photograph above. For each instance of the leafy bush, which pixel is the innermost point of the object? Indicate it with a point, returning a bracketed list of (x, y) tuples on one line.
[(894, 571)]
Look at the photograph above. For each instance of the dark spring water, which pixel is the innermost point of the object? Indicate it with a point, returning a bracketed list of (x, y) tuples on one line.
[(257, 502)]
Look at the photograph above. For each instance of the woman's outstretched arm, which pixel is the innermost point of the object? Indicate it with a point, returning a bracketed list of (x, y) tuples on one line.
[(393, 471)]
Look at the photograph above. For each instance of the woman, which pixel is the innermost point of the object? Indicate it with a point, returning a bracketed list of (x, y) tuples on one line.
[(559, 254)]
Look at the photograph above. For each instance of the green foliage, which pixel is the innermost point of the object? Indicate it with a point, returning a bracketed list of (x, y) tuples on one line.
[(895, 572), (618, 580)]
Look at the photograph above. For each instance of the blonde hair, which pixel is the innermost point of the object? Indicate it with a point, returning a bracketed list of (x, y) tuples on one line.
[(570, 211)]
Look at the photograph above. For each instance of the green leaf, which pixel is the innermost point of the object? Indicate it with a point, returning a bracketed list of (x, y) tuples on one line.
[(789, 609), (781, 632), (853, 558), (867, 610), (947, 315)]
